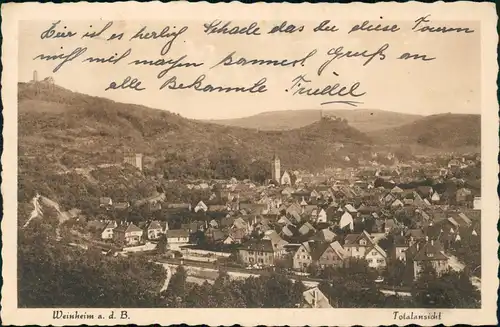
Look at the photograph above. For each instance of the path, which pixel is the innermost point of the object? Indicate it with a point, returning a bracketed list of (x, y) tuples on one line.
[(169, 276)]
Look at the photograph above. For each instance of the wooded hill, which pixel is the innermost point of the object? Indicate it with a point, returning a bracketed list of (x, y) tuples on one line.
[(365, 120), (64, 129), (443, 131)]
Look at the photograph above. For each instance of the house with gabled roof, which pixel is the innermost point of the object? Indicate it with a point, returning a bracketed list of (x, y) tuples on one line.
[(128, 234), (122, 205), (201, 206), (426, 252), (302, 259), (284, 221), (289, 230), (176, 237), (346, 221), (331, 254), (376, 257), (277, 242), (105, 202), (153, 230), (387, 199), (259, 252), (350, 208), (389, 225), (425, 191), (306, 229), (314, 298), (463, 220), (416, 234), (164, 226), (400, 245), (324, 235), (295, 217), (322, 217), (464, 195), (396, 190), (397, 204), (287, 191), (238, 234), (435, 197), (107, 232), (356, 245)]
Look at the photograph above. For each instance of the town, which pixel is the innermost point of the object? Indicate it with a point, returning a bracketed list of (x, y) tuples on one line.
[(395, 218)]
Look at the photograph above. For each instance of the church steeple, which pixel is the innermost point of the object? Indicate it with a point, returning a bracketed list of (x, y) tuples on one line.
[(276, 169)]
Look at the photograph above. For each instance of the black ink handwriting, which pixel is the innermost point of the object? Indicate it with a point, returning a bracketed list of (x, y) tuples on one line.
[(440, 29), (215, 28), (113, 59), (92, 35), (300, 87), (115, 36), (51, 32), (366, 26), (166, 33), (171, 63), (348, 102), (339, 53), (229, 60), (128, 83), (417, 56), (198, 85), (284, 27), (64, 57), (324, 27)]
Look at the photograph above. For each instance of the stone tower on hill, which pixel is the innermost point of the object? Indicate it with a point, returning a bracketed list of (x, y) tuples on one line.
[(134, 160)]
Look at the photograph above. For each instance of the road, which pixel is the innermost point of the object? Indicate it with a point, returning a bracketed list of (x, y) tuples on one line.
[(169, 276), (201, 271)]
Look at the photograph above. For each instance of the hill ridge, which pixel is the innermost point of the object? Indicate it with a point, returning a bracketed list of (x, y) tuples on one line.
[(362, 119), (66, 128)]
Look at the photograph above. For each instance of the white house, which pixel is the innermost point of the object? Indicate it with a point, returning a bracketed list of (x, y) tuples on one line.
[(321, 216), (285, 179), (107, 233), (376, 257), (201, 206), (346, 220), (435, 197), (477, 203)]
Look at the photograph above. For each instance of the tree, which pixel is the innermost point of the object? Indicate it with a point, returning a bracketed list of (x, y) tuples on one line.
[(396, 273), (387, 243), (177, 289), (451, 290), (53, 274), (161, 246), (352, 286)]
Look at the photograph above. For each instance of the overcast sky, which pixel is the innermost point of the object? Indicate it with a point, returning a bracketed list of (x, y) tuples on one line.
[(450, 83)]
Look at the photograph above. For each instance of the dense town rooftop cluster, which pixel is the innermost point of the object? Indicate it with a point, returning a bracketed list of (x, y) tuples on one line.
[(413, 213)]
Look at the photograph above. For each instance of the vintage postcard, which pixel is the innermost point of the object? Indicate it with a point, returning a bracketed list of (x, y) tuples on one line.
[(264, 164)]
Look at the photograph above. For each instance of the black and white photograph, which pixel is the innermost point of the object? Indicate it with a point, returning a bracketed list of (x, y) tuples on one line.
[(254, 163)]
